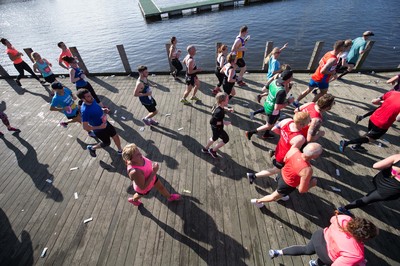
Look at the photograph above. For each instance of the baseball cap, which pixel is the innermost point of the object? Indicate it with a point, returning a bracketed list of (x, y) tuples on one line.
[(57, 86), (368, 33), (286, 74)]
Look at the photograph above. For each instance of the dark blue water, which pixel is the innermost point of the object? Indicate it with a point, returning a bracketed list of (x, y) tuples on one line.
[(96, 26)]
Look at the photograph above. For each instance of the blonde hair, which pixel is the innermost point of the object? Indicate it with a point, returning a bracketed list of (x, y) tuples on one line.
[(219, 98), (275, 50), (128, 152), (231, 58), (301, 118), (348, 43)]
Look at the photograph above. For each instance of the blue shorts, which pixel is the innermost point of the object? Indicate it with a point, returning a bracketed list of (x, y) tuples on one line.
[(322, 85)]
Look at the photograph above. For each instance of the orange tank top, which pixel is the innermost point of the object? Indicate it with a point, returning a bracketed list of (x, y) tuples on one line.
[(293, 165), (12, 51), (318, 76)]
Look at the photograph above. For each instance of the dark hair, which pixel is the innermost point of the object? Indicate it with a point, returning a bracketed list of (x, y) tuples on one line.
[(59, 44), (68, 59), (338, 45), (3, 41), (141, 68), (57, 86), (361, 229), (243, 28), (81, 93), (173, 38), (326, 101)]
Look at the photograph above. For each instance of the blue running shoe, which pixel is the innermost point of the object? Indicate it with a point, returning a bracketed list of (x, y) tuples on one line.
[(343, 210), (342, 145)]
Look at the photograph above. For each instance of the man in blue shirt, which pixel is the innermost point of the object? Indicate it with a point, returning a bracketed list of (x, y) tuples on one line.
[(357, 49), (94, 118), (63, 101)]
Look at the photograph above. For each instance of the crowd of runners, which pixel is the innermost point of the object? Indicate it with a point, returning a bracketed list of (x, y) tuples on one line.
[(341, 243)]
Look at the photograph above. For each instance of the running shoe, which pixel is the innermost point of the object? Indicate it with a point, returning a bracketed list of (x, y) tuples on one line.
[(255, 203), (358, 118), (91, 134), (241, 83), (194, 98), (296, 104), (251, 177), (248, 134), (358, 148), (204, 150), (315, 92), (312, 263), (14, 129), (146, 121), (212, 153), (251, 115), (342, 145), (18, 82), (153, 122), (343, 210), (267, 135), (1, 134), (91, 150), (174, 197), (271, 153), (285, 198), (259, 98), (137, 203), (273, 253), (185, 102), (63, 124)]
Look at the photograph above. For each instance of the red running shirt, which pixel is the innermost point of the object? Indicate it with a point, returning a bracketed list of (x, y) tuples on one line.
[(318, 76), (284, 145), (12, 51), (386, 114), (310, 108), (293, 165)]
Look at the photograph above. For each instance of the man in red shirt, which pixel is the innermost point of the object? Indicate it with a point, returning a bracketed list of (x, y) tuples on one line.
[(379, 122), (322, 76), (297, 172), (64, 52)]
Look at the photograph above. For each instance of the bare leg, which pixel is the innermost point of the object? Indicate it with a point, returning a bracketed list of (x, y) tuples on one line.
[(117, 142), (242, 71), (187, 91), (210, 142), (196, 86), (319, 95), (268, 172), (136, 197), (304, 93), (219, 145), (163, 191), (152, 114), (272, 197)]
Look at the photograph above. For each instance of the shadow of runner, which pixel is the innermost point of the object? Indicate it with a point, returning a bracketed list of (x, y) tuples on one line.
[(12, 250), (104, 84), (38, 172)]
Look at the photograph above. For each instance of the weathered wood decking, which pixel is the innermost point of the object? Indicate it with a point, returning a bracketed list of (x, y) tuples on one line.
[(214, 224)]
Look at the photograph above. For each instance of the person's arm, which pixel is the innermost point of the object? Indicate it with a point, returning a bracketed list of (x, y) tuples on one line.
[(281, 101), (385, 163), (88, 127), (314, 131), (35, 68), (393, 80), (283, 47), (301, 108), (221, 61), (298, 141), (236, 46), (138, 90), (50, 65), (327, 66), (277, 127), (72, 76), (231, 75), (398, 117), (191, 69), (305, 178), (61, 63)]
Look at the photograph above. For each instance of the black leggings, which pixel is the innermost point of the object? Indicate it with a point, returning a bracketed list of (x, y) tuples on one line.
[(24, 66), (91, 90), (177, 64), (4, 118), (317, 245)]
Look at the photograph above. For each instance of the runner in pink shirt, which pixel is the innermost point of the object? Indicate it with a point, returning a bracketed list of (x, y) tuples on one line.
[(64, 52)]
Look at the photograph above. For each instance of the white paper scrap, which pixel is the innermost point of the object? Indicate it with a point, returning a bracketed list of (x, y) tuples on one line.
[(49, 181), (76, 195), (141, 129), (167, 115), (187, 191), (73, 168), (336, 189), (337, 172), (88, 220), (70, 136), (123, 117), (179, 129), (43, 254)]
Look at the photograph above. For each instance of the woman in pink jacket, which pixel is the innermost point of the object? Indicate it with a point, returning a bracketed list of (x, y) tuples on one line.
[(340, 244)]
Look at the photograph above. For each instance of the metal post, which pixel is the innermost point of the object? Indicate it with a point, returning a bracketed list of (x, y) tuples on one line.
[(76, 54), (363, 57), (124, 58), (268, 49), (315, 56)]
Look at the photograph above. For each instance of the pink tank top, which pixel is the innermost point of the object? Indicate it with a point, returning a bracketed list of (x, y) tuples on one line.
[(147, 169)]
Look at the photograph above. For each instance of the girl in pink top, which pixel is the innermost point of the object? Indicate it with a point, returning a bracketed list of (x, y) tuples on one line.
[(340, 244), (143, 174)]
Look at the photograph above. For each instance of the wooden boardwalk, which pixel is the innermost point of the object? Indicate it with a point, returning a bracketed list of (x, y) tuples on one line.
[(215, 223)]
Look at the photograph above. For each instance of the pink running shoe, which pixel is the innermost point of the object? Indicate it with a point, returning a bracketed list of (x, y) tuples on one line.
[(174, 197), (137, 203)]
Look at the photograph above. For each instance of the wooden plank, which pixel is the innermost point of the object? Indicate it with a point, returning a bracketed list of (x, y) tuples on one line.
[(77, 55), (268, 48), (364, 56), (124, 58), (315, 56)]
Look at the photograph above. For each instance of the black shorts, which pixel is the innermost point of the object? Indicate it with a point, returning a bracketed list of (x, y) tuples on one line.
[(283, 188), (149, 190), (106, 133), (151, 107), (73, 116), (277, 164), (190, 79), (50, 79), (271, 119), (219, 132), (387, 186), (375, 132), (228, 87), (240, 62)]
